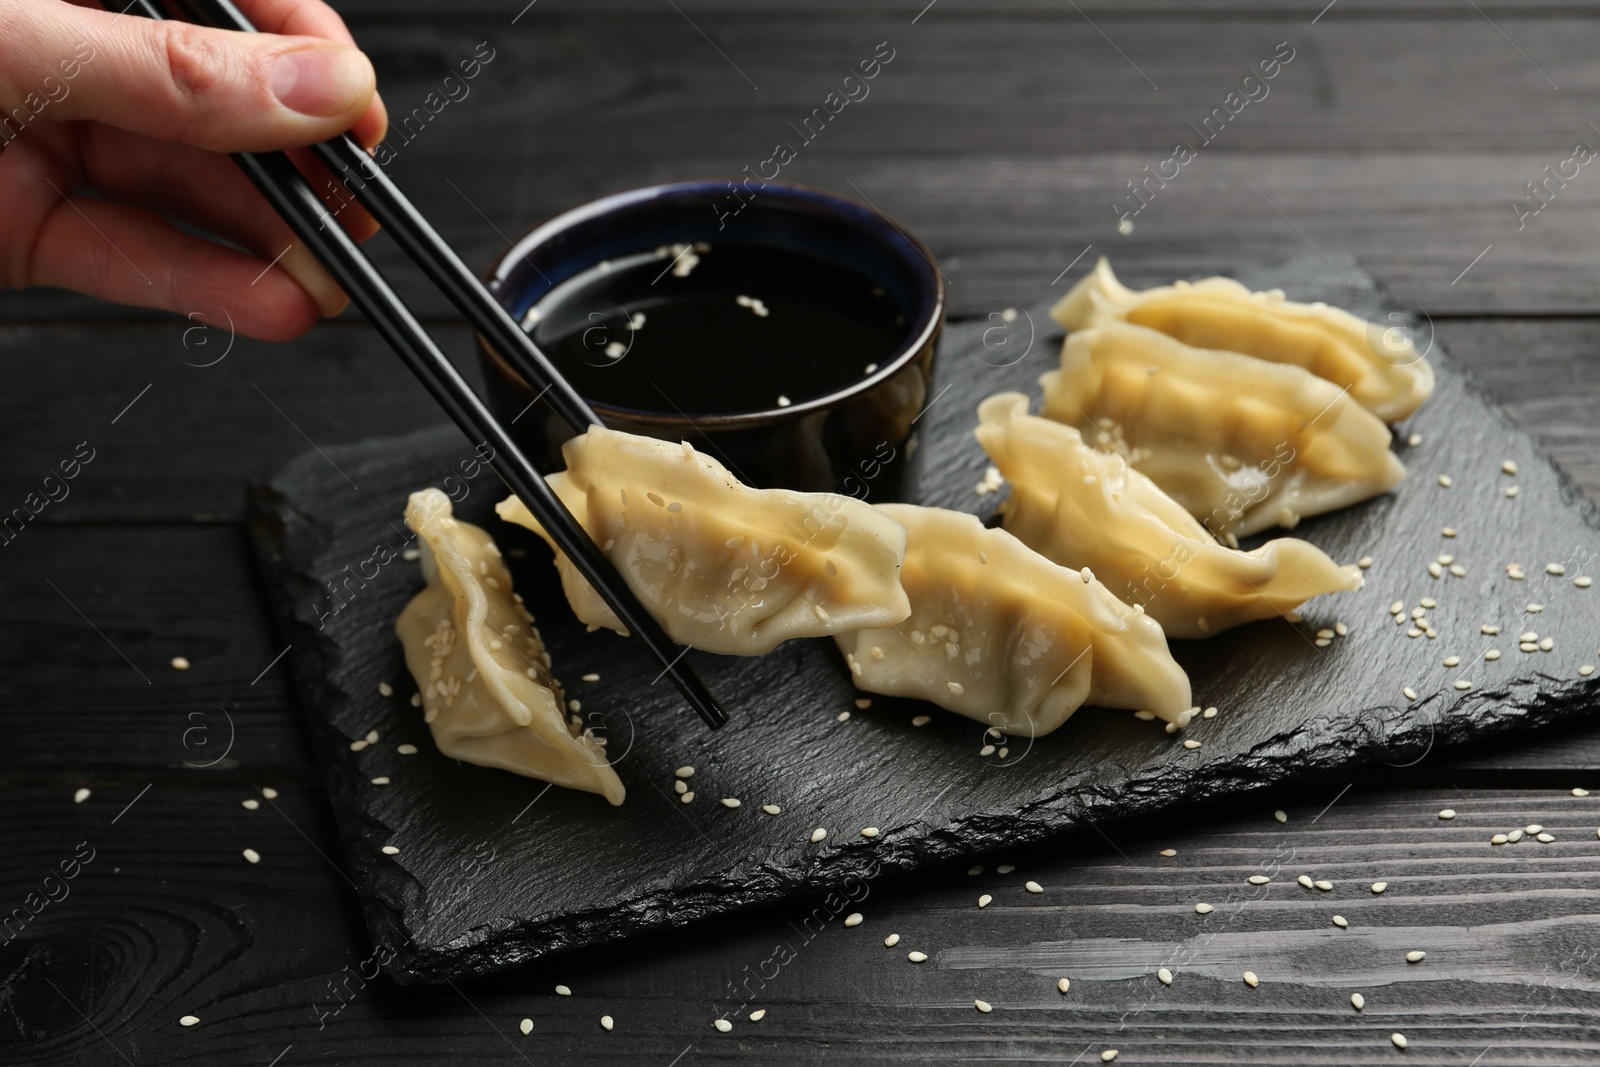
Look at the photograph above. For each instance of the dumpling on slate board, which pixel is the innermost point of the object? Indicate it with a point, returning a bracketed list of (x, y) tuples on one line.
[(1380, 366), (1241, 443), (723, 567), (1084, 508), (487, 691), (1000, 634)]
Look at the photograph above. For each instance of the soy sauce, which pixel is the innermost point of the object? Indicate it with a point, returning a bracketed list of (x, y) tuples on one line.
[(716, 328)]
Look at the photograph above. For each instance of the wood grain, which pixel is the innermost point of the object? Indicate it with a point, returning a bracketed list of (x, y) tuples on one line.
[(168, 920)]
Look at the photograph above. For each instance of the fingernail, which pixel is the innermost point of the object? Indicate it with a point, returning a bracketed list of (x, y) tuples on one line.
[(321, 81)]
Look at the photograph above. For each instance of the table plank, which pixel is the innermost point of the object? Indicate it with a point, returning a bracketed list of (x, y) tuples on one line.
[(1009, 169), (167, 920)]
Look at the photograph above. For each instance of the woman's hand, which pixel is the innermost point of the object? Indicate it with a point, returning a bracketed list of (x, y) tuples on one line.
[(112, 124)]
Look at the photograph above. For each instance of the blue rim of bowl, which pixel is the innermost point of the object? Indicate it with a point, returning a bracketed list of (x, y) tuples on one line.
[(928, 316)]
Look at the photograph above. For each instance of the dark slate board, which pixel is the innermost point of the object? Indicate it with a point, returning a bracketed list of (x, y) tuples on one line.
[(494, 869)]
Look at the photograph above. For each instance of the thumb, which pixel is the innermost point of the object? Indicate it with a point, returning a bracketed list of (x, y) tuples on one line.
[(174, 81)]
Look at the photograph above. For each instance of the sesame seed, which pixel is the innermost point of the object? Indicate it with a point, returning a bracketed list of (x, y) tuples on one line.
[(390, 850), (1528, 646), (1489, 629), (983, 1006), (853, 919), (416, 700), (1582, 581), (1109, 1054), (1063, 984), (818, 834), (1145, 716), (1515, 572), (1498, 839), (722, 1024), (591, 677), (1191, 744), (863, 703), (1005, 868), (606, 1022), (684, 772), (1546, 644), (1509, 466), (188, 1020), (1511, 491), (1365, 562), (250, 805), (1545, 839), (1357, 1001), (1397, 607), (1398, 1039), (1324, 885), (1446, 481), (983, 901), (757, 1015), (1341, 630), (771, 809), (1449, 531), (1410, 693), (179, 663), (1203, 909), (563, 991), (917, 957), (1280, 816), (1462, 683), (1580, 792), (1305, 880), (1251, 980), (269, 792), (1341, 922), (526, 1026), (81, 795), (1165, 976), (1416, 956), (891, 941), (986, 750), (1534, 828), (975, 869), (921, 720), (956, 688), (1258, 879), (1033, 887), (1324, 633), (1448, 813), (1211, 713), (1169, 852), (359, 744), (1414, 440), (1555, 568), (1378, 887), (869, 831), (688, 797), (680, 787), (843, 716), (382, 779), (1436, 570), (406, 750), (252, 856), (1492, 655)]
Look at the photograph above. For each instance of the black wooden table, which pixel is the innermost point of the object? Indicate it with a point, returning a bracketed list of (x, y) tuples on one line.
[(1003, 133)]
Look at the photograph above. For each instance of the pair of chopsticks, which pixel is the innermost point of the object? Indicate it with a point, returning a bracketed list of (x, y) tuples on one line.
[(294, 200)]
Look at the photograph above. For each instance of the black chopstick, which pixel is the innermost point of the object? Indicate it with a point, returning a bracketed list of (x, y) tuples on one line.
[(276, 177), (366, 180)]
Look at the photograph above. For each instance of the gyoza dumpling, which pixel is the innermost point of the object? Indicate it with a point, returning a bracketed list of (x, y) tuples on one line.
[(1381, 367), (487, 692), (1000, 634), (722, 566), (1241, 443), (1083, 508)]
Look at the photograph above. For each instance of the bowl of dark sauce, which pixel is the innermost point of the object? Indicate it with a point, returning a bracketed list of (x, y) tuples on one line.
[(784, 330)]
